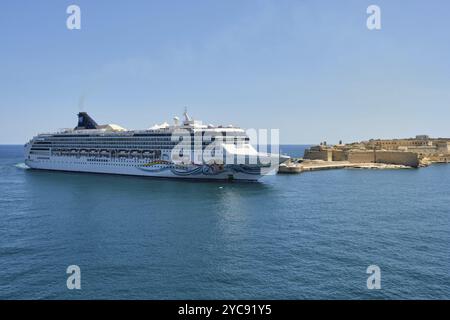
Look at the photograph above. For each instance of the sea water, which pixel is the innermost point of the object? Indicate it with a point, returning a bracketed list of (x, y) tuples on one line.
[(303, 236)]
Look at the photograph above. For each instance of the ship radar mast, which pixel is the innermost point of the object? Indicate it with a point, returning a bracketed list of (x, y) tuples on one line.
[(186, 116)]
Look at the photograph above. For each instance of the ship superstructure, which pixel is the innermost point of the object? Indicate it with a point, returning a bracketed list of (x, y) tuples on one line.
[(187, 149)]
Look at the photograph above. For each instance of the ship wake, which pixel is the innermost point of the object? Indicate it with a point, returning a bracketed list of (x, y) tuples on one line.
[(21, 165)]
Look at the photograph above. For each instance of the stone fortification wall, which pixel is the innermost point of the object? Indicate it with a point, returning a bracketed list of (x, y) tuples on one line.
[(325, 155), (394, 157)]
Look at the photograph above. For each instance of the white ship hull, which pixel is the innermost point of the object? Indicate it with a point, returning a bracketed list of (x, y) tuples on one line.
[(202, 172)]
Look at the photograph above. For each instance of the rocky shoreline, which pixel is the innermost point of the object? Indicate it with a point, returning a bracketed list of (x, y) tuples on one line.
[(300, 165)]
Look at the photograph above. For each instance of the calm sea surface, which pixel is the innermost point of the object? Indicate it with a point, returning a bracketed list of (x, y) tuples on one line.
[(311, 235)]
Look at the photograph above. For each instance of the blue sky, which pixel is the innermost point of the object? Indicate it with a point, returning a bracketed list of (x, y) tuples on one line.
[(310, 68)]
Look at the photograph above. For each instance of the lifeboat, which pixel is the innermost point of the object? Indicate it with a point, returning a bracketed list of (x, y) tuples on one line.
[(123, 153)]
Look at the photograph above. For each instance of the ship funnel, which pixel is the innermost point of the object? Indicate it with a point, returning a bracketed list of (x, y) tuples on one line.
[(85, 122)]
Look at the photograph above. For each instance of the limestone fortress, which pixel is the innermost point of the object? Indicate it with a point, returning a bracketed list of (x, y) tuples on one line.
[(413, 152)]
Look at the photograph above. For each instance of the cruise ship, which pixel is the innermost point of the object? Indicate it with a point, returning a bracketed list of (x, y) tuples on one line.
[(185, 149)]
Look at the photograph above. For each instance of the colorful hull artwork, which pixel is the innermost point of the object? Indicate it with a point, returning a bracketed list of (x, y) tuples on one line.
[(199, 169)]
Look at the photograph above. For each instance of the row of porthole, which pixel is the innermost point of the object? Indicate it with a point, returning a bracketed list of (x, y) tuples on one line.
[(123, 160), (110, 164), (89, 163)]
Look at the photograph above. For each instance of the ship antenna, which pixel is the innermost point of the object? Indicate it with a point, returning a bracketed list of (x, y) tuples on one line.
[(186, 116)]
